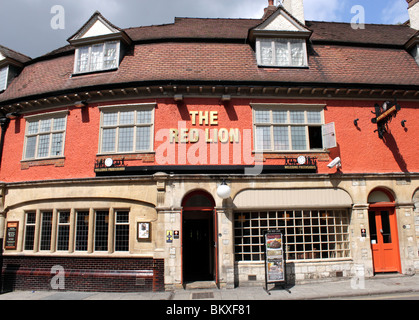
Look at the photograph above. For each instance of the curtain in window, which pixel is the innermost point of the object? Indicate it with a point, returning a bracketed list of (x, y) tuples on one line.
[(83, 59), (297, 53), (109, 57), (3, 78), (96, 62), (266, 52), (282, 52)]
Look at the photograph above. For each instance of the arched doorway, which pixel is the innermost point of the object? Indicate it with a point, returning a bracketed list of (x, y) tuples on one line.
[(199, 237), (383, 231)]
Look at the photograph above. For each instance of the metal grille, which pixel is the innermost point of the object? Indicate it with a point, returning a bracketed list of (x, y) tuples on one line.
[(309, 234)]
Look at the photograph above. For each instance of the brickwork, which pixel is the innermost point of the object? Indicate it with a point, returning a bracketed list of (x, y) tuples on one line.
[(84, 274)]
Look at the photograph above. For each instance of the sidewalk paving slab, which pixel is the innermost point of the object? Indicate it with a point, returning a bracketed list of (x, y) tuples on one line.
[(309, 291)]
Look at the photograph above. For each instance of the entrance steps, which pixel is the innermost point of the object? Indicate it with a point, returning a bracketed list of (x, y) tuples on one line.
[(200, 285)]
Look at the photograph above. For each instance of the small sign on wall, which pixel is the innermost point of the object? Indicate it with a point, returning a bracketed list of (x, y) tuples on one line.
[(143, 231), (11, 235), (169, 236)]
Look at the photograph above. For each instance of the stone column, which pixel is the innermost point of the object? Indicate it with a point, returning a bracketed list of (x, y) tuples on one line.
[(406, 234), (360, 245), (225, 247)]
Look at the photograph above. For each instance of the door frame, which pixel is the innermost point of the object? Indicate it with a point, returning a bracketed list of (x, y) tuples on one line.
[(214, 223), (391, 207)]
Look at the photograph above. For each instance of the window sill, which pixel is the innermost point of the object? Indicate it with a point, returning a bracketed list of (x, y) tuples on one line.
[(283, 67), (57, 162), (290, 151), (92, 72)]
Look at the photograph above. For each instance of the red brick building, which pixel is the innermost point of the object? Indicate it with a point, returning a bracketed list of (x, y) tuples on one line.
[(114, 148)]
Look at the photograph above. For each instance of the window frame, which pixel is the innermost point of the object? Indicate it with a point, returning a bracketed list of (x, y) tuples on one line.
[(32, 225), (274, 63), (288, 108), (5, 69), (76, 69), (121, 224), (311, 234), (51, 132), (122, 108), (60, 227)]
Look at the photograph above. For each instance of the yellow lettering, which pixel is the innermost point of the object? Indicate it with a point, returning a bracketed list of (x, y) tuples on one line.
[(173, 136), (203, 118), (223, 135), (213, 118), (234, 135), (183, 135), (193, 115), (194, 135)]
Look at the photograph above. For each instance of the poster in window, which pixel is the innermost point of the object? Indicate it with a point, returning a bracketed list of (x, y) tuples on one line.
[(275, 258), (11, 235), (144, 231)]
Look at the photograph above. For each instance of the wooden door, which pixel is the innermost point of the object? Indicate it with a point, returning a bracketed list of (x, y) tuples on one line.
[(384, 240)]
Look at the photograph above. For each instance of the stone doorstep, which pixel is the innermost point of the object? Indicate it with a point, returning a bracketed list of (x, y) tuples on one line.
[(200, 285)]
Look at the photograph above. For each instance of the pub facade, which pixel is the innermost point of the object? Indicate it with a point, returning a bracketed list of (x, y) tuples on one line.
[(148, 158)]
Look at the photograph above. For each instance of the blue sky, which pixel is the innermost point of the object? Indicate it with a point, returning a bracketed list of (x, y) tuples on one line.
[(25, 25)]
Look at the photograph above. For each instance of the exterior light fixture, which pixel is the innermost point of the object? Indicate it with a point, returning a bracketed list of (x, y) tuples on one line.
[(223, 190), (404, 123), (178, 97), (12, 115), (225, 98), (356, 122), (80, 104)]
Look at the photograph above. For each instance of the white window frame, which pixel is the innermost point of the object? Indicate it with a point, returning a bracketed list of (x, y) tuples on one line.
[(90, 68), (51, 132), (274, 63), (121, 108), (4, 72), (271, 124)]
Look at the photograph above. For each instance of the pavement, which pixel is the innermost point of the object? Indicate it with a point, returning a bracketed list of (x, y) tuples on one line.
[(349, 288)]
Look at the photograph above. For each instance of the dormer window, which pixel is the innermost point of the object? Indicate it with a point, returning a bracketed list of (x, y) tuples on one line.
[(283, 52), (99, 45), (97, 57), (3, 78), (280, 40)]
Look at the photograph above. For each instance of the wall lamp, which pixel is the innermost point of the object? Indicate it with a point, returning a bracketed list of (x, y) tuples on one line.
[(80, 104), (356, 122), (223, 190), (12, 115), (225, 98), (404, 123), (178, 97)]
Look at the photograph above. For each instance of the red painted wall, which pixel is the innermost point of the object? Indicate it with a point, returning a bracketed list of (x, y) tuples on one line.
[(360, 148)]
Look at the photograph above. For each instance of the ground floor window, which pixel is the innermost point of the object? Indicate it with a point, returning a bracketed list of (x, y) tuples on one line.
[(77, 230), (309, 234)]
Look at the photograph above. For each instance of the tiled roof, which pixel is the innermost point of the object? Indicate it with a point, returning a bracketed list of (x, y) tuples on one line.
[(9, 53), (338, 55)]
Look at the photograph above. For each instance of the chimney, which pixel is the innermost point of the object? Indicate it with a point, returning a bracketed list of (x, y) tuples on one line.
[(296, 8), (413, 13), (271, 8)]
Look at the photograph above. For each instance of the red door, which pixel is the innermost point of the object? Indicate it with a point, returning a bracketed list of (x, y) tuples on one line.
[(384, 240)]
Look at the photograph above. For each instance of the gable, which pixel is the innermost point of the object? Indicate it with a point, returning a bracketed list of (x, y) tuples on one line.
[(281, 22), (97, 28)]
